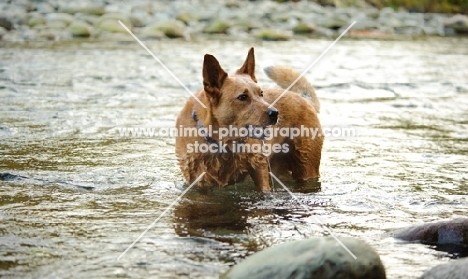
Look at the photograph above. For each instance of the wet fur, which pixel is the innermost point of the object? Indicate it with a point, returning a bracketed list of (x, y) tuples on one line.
[(220, 94)]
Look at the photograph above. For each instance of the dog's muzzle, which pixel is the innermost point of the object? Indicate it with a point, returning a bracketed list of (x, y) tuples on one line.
[(272, 116)]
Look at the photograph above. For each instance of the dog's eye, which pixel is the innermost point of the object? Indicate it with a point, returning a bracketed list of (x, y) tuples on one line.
[(243, 97)]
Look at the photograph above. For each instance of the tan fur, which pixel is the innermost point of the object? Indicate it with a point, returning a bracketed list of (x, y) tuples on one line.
[(221, 95), (285, 76)]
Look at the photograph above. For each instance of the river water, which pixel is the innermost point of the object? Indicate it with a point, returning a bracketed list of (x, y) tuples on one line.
[(75, 193)]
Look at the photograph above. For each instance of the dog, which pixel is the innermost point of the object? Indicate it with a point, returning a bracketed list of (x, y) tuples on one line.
[(236, 103)]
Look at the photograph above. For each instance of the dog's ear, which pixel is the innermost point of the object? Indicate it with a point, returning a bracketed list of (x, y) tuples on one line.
[(249, 65), (213, 76)]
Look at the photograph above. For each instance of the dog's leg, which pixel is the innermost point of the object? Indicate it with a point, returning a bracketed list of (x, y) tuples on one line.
[(260, 176)]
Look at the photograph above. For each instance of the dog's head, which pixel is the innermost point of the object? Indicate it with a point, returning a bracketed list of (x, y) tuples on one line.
[(236, 100)]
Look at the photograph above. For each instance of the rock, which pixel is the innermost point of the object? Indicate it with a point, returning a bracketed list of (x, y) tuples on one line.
[(456, 269), (151, 32), (142, 7), (66, 19), (335, 21), (44, 8), (79, 28), (28, 34), (186, 17), (6, 23), (56, 25), (91, 19), (3, 31), (36, 20), (172, 28), (273, 35), (83, 7), (318, 257), (459, 23), (304, 28), (216, 27), (110, 23), (139, 19), (247, 24), (48, 34), (444, 232)]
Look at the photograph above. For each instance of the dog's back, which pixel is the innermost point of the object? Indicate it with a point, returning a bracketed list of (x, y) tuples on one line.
[(285, 76)]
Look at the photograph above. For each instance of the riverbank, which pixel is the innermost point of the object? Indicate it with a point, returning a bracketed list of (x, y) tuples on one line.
[(56, 20)]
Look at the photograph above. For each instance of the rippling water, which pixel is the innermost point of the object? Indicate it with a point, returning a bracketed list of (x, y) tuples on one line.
[(75, 194)]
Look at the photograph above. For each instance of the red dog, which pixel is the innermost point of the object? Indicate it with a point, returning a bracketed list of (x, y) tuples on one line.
[(238, 104)]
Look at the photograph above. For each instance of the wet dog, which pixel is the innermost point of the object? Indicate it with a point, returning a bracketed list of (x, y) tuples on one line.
[(233, 128)]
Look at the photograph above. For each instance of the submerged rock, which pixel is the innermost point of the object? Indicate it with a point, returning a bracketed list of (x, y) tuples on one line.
[(457, 269), (444, 232), (318, 257)]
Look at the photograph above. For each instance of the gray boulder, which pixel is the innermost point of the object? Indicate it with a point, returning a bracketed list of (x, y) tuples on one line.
[(457, 269), (318, 257), (445, 232)]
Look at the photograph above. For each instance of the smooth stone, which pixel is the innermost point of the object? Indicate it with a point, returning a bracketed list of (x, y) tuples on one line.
[(151, 32), (44, 8), (459, 23), (143, 7), (335, 21), (48, 34), (6, 23), (317, 257), (186, 17), (444, 232), (247, 24), (304, 28), (172, 28), (217, 27), (63, 17), (80, 28), (110, 23), (456, 269), (273, 35), (29, 34), (36, 19), (56, 24), (138, 19), (91, 19)]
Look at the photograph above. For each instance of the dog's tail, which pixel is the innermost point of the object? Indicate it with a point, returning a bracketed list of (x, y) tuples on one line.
[(285, 76)]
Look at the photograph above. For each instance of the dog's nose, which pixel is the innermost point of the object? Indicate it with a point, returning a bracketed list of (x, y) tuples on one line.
[(272, 115)]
